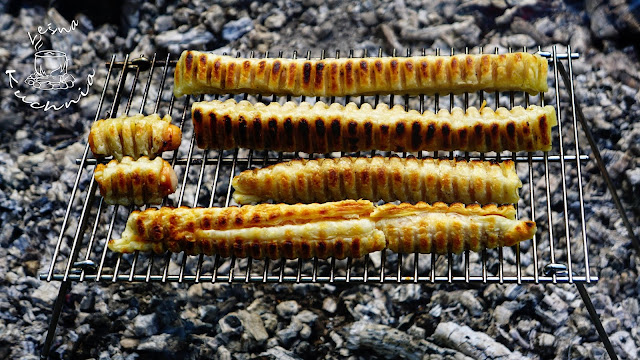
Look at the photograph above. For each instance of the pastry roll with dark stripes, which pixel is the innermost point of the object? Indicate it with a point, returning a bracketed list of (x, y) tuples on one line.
[(341, 229), (134, 136), (442, 228), (321, 128), (136, 182), (204, 73), (378, 178)]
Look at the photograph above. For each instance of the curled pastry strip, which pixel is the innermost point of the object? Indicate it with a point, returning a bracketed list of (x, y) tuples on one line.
[(136, 182), (339, 229), (203, 73), (378, 178), (321, 128), (134, 136), (440, 228), (326, 229)]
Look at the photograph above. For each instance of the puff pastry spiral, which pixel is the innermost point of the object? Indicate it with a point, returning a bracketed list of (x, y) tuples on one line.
[(379, 178), (134, 136), (136, 182), (203, 73), (341, 229), (321, 128)]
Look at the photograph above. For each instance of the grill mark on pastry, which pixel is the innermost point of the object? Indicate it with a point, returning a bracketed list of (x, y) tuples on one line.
[(368, 133), (446, 132), (319, 80), (276, 67), (306, 74), (213, 129), (242, 130), (543, 130), (272, 137), (349, 81), (335, 132), (188, 61), (303, 128), (352, 128), (321, 145), (257, 131), (431, 131)]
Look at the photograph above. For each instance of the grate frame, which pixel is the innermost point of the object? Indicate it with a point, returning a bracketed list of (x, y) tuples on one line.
[(553, 252)]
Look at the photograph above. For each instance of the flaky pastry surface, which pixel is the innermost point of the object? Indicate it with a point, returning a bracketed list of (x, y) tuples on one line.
[(136, 182), (322, 128), (278, 232), (134, 136), (380, 178), (204, 73)]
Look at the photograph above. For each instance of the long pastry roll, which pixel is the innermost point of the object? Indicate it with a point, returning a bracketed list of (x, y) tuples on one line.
[(134, 136), (203, 73), (339, 229), (136, 182), (321, 128), (378, 178), (442, 228)]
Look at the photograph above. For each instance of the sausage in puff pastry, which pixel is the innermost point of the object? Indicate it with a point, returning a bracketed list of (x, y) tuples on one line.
[(321, 128), (339, 229), (442, 228), (378, 178), (134, 136), (136, 182), (203, 73)]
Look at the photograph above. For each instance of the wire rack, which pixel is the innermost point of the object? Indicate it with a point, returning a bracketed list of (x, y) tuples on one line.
[(552, 195)]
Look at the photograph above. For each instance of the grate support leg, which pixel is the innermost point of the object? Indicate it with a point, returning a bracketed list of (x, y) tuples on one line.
[(596, 321), (55, 316)]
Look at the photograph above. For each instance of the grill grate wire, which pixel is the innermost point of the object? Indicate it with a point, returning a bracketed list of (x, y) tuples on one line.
[(551, 263)]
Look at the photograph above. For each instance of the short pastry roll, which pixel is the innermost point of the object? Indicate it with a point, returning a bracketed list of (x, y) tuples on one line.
[(134, 136), (136, 182), (379, 178), (441, 228), (204, 73), (340, 229), (322, 128)]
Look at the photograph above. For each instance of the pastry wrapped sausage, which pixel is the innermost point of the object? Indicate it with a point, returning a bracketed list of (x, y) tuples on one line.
[(321, 128), (442, 228), (203, 73), (378, 178), (134, 136), (339, 229), (136, 182)]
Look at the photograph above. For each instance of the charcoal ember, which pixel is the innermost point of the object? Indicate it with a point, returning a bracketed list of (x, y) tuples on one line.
[(278, 353), (233, 30), (184, 38), (471, 343), (287, 309), (145, 325), (387, 342)]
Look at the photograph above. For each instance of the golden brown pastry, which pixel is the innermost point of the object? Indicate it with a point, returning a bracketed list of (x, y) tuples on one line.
[(342, 229), (134, 136), (339, 229), (203, 73), (378, 178), (442, 228), (136, 182), (321, 128)]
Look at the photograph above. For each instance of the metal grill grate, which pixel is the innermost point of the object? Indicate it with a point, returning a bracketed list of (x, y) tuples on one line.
[(558, 253)]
